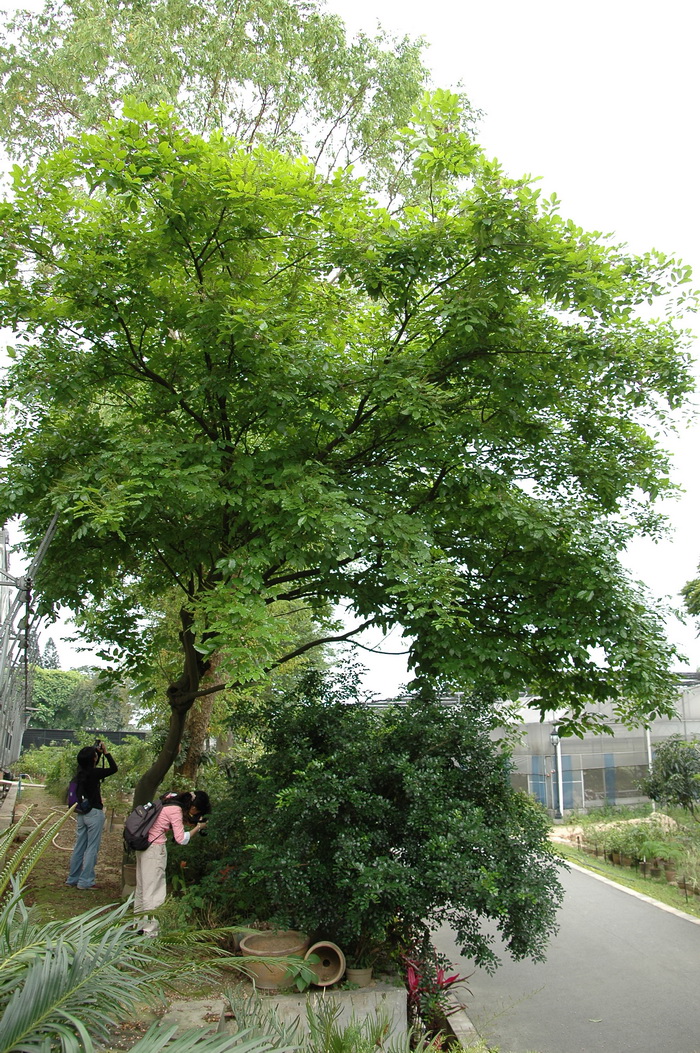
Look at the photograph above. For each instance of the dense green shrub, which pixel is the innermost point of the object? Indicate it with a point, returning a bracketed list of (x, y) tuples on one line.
[(675, 775), (52, 765), (361, 826)]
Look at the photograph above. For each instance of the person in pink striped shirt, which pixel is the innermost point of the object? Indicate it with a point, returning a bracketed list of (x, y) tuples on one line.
[(151, 890)]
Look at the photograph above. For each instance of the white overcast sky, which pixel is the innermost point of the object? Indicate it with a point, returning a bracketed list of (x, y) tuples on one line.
[(600, 100)]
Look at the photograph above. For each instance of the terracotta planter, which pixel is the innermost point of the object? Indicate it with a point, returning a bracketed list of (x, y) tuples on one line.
[(273, 944), (360, 977), (330, 967)]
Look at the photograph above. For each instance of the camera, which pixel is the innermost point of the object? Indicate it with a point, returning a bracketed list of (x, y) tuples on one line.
[(202, 819), (99, 744)]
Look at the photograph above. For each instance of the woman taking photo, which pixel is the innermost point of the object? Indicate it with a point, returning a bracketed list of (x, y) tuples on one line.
[(90, 814), (150, 864)]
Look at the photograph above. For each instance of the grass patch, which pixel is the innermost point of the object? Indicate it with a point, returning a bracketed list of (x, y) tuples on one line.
[(655, 888)]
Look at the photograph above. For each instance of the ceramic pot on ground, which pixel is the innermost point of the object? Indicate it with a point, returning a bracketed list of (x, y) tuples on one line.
[(273, 944), (360, 977), (330, 966)]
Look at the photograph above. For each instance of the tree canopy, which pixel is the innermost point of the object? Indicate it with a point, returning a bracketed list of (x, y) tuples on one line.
[(280, 72), (240, 378), (74, 699)]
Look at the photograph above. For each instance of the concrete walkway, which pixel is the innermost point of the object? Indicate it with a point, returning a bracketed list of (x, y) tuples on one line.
[(621, 976)]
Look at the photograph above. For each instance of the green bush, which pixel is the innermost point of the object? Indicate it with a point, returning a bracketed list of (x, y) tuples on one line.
[(52, 765), (362, 826), (675, 775), (56, 765)]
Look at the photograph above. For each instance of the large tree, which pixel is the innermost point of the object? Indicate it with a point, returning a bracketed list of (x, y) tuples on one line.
[(237, 377), (278, 72)]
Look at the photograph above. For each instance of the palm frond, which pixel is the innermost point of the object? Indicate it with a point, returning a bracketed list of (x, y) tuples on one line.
[(158, 1038), (28, 852), (67, 987), (190, 937), (8, 836)]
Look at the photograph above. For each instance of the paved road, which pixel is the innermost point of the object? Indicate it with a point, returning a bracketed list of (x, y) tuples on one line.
[(621, 976)]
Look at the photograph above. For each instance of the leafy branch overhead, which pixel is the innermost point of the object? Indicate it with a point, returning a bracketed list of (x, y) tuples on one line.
[(242, 379)]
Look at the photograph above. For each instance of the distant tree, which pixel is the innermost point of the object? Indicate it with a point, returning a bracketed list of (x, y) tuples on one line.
[(277, 72), (52, 691), (75, 699), (50, 658), (675, 775)]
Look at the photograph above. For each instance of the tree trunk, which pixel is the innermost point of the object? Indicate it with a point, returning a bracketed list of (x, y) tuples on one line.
[(181, 696), (198, 722)]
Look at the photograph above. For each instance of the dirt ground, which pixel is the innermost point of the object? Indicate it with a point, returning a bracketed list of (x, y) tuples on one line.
[(46, 885)]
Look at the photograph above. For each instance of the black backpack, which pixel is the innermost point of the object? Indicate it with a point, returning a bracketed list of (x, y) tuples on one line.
[(137, 825)]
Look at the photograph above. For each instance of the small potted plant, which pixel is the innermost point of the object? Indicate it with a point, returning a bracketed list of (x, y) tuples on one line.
[(360, 963)]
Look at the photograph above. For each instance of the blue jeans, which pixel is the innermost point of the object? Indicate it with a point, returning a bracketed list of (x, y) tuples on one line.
[(87, 845)]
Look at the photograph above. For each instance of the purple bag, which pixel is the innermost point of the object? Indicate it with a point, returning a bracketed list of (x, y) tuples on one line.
[(73, 797)]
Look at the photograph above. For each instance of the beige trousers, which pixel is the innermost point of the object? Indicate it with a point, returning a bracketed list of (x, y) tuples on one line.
[(150, 885)]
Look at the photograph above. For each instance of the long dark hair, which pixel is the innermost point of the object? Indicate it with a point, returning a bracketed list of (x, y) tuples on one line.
[(198, 798), (86, 762)]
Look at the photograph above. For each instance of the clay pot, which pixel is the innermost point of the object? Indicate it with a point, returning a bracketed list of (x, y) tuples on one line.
[(273, 944), (360, 977), (331, 966)]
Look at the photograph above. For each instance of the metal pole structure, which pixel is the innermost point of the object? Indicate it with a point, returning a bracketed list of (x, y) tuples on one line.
[(556, 743), (647, 735), (14, 639), (560, 782)]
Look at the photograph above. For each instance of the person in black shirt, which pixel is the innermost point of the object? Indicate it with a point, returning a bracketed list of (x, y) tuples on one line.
[(90, 815)]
